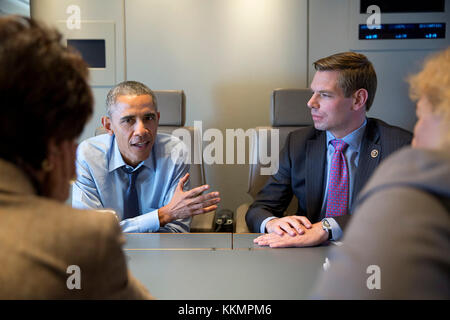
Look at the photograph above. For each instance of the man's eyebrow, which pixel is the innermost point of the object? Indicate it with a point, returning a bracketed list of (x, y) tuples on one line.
[(321, 91), (127, 117)]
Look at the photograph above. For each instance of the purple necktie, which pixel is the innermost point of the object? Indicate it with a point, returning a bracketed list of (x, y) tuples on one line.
[(337, 200)]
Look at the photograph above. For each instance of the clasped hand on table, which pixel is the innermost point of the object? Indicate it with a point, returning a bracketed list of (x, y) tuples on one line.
[(292, 231)]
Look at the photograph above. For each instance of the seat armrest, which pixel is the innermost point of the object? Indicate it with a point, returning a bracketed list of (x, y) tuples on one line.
[(203, 222), (241, 225)]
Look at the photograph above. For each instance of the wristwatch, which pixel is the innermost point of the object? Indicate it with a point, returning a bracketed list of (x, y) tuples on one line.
[(327, 227)]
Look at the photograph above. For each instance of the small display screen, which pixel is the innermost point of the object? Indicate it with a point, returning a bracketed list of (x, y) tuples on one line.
[(92, 51), (404, 6), (403, 31)]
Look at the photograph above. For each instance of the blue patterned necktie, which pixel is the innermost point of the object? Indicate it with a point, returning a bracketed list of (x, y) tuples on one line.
[(131, 203)]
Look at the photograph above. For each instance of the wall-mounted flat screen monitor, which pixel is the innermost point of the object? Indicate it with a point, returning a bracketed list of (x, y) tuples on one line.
[(92, 50), (404, 6), (403, 31)]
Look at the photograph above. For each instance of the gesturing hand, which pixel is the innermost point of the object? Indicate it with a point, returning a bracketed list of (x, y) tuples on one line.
[(187, 204)]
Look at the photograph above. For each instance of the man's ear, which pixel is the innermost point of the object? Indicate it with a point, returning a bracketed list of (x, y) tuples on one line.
[(106, 122), (359, 99)]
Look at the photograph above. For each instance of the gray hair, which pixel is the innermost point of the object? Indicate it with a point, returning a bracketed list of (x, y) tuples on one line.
[(128, 88)]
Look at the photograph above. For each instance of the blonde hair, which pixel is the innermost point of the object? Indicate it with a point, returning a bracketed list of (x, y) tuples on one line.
[(433, 82)]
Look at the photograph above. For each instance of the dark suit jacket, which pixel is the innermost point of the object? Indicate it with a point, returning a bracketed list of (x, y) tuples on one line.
[(302, 167)]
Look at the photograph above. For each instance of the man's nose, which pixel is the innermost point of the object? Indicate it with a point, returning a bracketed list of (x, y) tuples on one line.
[(139, 128), (312, 103)]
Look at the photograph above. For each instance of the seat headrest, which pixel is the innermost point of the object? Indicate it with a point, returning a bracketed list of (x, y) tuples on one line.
[(172, 107), (289, 108)]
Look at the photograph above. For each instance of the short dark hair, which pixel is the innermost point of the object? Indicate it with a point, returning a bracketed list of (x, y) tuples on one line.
[(44, 93), (355, 72), (128, 88)]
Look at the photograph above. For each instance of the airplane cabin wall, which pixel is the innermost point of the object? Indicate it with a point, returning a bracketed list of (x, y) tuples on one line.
[(228, 56)]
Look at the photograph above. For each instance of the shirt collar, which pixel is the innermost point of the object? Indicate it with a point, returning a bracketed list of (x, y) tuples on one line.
[(353, 139), (116, 160)]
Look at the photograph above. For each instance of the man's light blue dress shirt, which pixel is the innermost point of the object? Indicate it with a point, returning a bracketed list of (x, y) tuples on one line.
[(102, 182), (353, 140)]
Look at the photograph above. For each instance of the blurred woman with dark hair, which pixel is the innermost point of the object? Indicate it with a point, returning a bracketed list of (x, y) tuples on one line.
[(45, 103)]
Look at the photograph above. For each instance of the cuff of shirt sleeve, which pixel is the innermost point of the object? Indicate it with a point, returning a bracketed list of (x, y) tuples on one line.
[(263, 224), (335, 229), (147, 222)]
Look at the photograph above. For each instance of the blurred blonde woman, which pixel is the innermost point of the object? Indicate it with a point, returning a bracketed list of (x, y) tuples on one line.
[(398, 243), (431, 89)]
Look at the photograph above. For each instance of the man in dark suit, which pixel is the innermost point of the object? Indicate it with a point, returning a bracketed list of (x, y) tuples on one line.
[(326, 166)]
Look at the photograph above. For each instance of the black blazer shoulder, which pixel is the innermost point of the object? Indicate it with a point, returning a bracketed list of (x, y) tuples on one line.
[(392, 136)]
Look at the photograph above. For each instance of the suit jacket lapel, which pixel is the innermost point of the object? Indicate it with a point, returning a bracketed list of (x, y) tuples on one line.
[(315, 166), (369, 158)]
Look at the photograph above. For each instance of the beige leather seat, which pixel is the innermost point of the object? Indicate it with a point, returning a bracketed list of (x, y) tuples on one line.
[(289, 112), (172, 108)]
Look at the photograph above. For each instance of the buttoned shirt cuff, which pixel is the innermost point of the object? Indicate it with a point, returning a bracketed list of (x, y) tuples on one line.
[(335, 229), (148, 222), (263, 224)]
